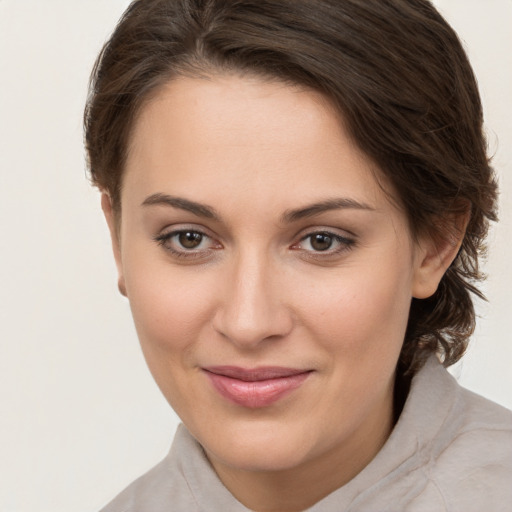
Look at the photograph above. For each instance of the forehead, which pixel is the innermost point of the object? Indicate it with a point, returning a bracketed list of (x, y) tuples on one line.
[(209, 136)]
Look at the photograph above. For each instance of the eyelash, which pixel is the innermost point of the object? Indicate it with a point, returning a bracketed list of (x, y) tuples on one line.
[(164, 239), (345, 244)]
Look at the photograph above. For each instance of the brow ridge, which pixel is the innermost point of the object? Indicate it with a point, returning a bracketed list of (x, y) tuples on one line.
[(289, 216), (324, 206), (201, 210)]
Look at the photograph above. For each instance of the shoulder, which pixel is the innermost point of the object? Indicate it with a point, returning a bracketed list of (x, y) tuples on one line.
[(474, 472), (483, 413), (478, 434), (163, 485), (154, 491), (468, 464), (183, 481)]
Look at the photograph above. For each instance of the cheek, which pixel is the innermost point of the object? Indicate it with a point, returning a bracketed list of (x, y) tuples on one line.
[(365, 310), (170, 306), (170, 312)]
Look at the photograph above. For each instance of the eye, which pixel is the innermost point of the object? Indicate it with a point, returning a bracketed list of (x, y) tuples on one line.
[(190, 239), (187, 243), (321, 241), (324, 242)]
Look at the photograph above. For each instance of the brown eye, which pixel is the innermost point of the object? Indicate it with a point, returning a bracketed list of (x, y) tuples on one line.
[(186, 243), (324, 244), (321, 241), (190, 239)]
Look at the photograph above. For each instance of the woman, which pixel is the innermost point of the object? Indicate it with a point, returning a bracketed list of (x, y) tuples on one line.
[(298, 194)]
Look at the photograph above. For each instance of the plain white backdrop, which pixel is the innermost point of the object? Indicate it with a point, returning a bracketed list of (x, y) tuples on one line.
[(80, 416)]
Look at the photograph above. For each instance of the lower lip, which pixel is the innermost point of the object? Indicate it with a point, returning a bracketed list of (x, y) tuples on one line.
[(258, 393)]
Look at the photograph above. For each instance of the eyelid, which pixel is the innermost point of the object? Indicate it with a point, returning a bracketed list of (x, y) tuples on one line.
[(167, 234), (343, 241), (335, 232), (346, 242), (174, 229)]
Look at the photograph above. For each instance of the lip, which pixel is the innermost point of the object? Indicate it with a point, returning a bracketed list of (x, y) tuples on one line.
[(257, 387)]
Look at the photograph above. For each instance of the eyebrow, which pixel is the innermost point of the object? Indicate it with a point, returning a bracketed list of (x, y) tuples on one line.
[(324, 206), (201, 210), (289, 216)]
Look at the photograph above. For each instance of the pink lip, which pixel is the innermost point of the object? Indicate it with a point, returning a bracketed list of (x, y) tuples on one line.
[(257, 387)]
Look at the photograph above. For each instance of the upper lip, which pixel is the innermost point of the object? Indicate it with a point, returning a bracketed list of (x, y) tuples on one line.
[(255, 374)]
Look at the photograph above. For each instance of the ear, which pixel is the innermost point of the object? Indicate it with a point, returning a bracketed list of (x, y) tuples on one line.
[(108, 211), (436, 253)]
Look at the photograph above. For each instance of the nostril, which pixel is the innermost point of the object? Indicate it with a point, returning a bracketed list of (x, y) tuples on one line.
[(250, 308), (250, 327)]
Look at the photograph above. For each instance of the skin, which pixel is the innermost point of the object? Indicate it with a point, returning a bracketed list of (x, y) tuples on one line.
[(256, 291)]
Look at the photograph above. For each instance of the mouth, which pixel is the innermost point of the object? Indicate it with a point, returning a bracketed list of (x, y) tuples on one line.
[(258, 387)]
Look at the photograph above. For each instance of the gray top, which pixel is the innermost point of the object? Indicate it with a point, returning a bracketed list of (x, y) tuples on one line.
[(451, 451)]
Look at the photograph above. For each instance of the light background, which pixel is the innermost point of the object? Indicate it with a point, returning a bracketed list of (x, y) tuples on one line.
[(80, 416)]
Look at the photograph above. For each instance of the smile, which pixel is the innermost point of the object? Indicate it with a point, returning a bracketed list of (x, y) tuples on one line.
[(254, 388)]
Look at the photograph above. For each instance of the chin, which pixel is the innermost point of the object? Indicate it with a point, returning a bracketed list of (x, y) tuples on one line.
[(258, 448)]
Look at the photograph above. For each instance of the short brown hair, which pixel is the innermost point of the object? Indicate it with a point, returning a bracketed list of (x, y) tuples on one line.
[(394, 69)]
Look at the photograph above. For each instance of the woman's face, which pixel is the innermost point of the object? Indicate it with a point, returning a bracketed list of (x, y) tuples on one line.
[(269, 275)]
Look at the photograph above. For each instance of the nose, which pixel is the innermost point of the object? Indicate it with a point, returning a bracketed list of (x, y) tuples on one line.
[(252, 307)]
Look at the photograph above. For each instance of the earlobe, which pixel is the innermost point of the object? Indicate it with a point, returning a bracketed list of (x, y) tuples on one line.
[(112, 222), (435, 254)]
